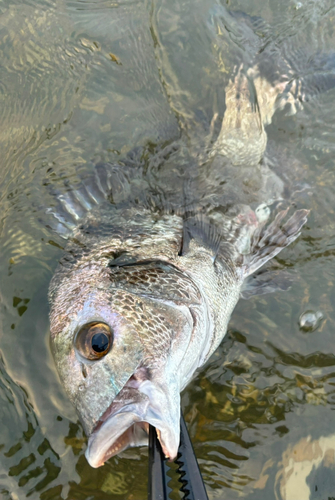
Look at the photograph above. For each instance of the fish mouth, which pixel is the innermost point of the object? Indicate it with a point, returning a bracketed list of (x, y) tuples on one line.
[(126, 422)]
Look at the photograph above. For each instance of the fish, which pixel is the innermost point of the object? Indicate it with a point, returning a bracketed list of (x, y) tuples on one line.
[(153, 267), (139, 301)]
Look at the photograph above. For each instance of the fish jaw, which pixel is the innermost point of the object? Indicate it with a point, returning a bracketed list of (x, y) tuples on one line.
[(126, 422)]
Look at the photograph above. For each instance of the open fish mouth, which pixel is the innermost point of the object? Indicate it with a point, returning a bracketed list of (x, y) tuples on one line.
[(126, 422)]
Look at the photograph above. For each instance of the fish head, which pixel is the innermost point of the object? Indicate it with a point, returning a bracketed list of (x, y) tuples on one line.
[(119, 337)]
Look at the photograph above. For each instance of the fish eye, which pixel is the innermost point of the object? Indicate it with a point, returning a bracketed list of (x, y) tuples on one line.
[(94, 340)]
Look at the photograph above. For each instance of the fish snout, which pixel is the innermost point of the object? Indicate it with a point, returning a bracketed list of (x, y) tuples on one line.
[(126, 422)]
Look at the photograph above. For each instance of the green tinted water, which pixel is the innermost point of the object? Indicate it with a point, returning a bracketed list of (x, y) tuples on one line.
[(72, 92)]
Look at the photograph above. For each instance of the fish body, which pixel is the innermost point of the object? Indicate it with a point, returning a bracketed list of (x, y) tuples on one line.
[(165, 286), (147, 283)]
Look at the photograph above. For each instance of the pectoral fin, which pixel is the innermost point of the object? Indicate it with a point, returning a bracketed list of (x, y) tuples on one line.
[(269, 240)]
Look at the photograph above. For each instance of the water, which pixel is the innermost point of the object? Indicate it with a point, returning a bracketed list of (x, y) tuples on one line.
[(72, 93)]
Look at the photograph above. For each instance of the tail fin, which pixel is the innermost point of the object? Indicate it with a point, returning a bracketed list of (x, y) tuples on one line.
[(268, 241)]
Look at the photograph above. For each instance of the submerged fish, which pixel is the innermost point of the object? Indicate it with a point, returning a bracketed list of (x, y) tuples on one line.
[(144, 291), (138, 306)]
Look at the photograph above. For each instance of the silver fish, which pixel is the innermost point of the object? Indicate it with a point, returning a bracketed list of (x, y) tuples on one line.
[(138, 303), (144, 291)]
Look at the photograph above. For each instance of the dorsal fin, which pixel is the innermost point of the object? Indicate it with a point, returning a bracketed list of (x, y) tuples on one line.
[(108, 182)]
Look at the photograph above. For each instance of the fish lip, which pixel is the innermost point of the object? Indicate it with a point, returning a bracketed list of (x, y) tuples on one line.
[(121, 427), (103, 444), (100, 449)]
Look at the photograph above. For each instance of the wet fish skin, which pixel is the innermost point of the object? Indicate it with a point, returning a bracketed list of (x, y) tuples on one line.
[(166, 287)]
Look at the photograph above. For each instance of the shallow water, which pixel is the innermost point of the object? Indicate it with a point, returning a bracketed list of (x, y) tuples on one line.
[(72, 93)]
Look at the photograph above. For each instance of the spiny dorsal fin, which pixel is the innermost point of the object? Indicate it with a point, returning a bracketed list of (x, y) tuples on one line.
[(108, 182)]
